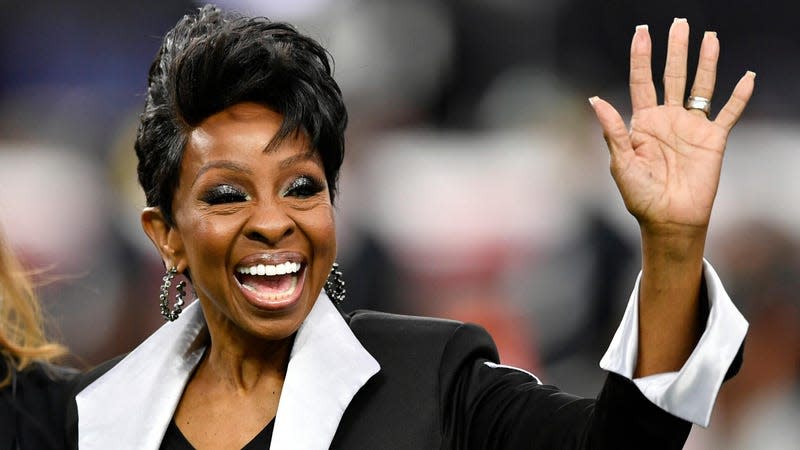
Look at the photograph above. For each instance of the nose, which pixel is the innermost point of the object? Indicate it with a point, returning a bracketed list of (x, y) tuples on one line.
[(269, 224)]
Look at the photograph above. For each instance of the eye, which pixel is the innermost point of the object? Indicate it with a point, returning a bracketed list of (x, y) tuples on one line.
[(303, 187), (224, 193)]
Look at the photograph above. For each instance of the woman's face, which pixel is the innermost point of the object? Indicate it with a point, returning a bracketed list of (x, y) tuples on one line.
[(253, 227)]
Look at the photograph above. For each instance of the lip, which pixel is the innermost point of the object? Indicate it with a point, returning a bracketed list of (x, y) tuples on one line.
[(266, 304), (271, 258)]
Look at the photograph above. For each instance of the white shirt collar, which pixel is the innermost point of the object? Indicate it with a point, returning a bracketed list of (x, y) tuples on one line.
[(131, 405)]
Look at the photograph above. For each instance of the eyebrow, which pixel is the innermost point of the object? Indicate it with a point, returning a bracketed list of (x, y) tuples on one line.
[(272, 146), (229, 165), (235, 167), (292, 160)]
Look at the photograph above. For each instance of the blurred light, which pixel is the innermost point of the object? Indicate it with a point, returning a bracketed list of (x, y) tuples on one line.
[(51, 203)]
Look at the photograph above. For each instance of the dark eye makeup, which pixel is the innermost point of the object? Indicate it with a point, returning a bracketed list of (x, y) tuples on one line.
[(224, 193), (304, 186)]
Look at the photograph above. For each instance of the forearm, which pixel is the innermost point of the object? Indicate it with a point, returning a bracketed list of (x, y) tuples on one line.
[(509, 410), (669, 319)]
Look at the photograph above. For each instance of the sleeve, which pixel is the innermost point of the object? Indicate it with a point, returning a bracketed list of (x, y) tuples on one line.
[(489, 406), (691, 392)]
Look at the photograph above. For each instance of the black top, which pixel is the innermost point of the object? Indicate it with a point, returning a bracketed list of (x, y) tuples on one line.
[(435, 391), (175, 440), (32, 407)]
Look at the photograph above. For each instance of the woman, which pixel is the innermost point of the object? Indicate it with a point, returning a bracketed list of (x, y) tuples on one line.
[(32, 391), (239, 149)]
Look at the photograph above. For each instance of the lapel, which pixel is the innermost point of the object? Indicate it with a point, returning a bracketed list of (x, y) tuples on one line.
[(131, 405), (327, 366)]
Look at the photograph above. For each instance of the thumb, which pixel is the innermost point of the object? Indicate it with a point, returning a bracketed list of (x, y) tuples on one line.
[(614, 130)]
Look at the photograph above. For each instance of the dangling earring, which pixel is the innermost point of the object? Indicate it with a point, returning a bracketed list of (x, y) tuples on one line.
[(171, 315), (334, 285)]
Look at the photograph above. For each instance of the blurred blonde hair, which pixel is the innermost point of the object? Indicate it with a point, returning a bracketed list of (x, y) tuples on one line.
[(22, 337)]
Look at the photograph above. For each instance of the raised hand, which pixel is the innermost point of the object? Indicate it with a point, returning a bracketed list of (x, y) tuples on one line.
[(667, 168), (667, 165)]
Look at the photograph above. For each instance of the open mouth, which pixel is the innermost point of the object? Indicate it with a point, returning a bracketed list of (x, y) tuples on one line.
[(270, 285)]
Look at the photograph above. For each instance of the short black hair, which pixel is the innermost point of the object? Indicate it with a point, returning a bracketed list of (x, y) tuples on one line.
[(212, 60)]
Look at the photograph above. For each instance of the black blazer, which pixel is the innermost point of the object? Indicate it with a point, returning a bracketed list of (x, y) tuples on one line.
[(434, 391), (32, 407)]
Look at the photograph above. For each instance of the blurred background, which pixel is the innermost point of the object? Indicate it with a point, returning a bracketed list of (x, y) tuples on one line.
[(476, 184)]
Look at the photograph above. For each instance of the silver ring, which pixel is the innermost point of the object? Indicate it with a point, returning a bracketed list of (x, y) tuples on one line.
[(701, 103)]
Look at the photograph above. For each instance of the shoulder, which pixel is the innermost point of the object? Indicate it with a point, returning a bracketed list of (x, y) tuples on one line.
[(396, 328), (82, 380), (41, 373), (39, 379), (77, 384), (33, 404), (420, 340), (363, 320)]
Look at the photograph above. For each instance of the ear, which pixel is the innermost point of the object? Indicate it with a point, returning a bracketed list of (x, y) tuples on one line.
[(165, 237)]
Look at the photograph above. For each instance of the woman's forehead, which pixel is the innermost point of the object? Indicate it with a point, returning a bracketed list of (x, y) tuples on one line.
[(242, 130), (243, 118)]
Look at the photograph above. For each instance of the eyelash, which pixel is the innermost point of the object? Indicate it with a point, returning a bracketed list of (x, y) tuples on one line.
[(225, 193), (304, 186)]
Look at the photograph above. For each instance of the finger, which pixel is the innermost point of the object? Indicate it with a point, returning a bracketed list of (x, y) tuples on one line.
[(675, 68), (732, 110), (643, 92), (614, 130), (706, 75)]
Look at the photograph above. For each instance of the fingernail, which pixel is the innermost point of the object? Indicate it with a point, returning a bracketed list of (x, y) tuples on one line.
[(709, 34), (679, 20), (592, 100), (751, 73), (641, 27)]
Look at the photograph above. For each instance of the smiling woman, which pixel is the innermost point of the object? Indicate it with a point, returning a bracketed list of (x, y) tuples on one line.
[(249, 206), (253, 229), (239, 148)]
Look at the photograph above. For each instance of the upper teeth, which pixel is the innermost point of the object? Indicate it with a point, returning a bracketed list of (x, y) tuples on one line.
[(268, 269)]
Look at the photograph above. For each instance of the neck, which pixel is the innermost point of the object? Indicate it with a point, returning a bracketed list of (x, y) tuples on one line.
[(240, 361)]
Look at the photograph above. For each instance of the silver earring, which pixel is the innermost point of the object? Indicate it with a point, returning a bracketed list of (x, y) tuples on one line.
[(334, 285), (171, 315)]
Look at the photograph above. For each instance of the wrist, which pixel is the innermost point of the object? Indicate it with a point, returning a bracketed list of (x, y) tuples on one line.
[(673, 243)]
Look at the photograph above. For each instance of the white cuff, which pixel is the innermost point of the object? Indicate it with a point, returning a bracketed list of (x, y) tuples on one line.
[(689, 393)]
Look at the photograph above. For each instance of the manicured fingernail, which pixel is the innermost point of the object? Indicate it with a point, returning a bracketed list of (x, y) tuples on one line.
[(709, 34), (592, 100), (679, 20), (751, 73), (641, 27)]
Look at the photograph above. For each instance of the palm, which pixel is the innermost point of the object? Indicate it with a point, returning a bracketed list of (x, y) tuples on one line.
[(671, 175), (667, 164)]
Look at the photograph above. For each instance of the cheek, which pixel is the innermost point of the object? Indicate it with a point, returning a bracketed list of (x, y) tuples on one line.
[(212, 240), (324, 254), (323, 233), (319, 228)]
